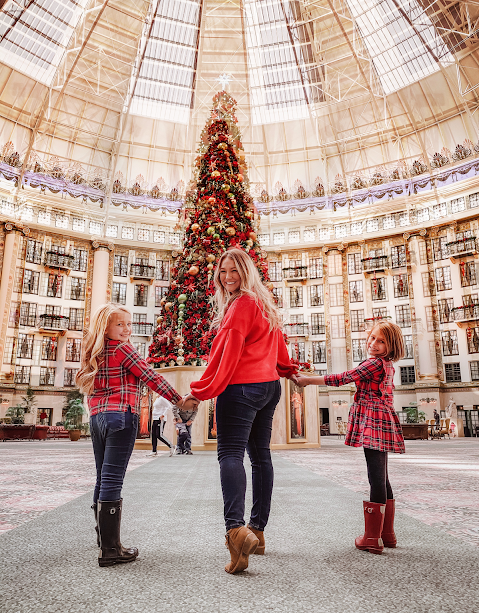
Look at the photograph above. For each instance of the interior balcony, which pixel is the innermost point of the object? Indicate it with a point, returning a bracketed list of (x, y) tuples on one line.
[(295, 330), (465, 315), (142, 271), (61, 261), (463, 248), (141, 329), (53, 323), (295, 273), (379, 263)]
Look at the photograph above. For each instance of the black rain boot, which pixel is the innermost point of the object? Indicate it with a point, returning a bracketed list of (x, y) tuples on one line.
[(94, 506), (109, 521)]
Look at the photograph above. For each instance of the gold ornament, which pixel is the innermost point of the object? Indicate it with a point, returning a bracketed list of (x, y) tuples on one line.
[(193, 271), (195, 227), (252, 235), (210, 257), (230, 231), (210, 266)]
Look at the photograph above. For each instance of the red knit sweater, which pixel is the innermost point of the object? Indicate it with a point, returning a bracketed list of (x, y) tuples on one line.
[(244, 351)]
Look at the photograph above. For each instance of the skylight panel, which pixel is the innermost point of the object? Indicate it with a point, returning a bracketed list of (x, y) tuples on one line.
[(166, 82), (283, 75), (401, 40), (33, 39)]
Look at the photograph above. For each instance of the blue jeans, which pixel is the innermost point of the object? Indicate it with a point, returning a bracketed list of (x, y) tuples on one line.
[(244, 420), (113, 435)]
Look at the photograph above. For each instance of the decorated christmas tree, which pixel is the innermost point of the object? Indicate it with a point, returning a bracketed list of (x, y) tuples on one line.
[(218, 214)]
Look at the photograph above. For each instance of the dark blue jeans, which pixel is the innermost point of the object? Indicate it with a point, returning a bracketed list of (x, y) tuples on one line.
[(113, 435), (244, 420)]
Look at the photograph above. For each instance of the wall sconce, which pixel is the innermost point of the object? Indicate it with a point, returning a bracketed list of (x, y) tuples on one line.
[(428, 401), (338, 403)]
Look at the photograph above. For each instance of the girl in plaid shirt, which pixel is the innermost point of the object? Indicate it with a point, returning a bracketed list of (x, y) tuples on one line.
[(374, 425), (112, 374)]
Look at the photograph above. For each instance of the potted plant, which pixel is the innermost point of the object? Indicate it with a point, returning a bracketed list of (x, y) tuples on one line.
[(415, 426), (18, 412), (413, 415), (73, 414)]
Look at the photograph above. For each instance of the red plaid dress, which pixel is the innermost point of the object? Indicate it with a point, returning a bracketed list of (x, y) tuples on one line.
[(119, 380), (372, 422)]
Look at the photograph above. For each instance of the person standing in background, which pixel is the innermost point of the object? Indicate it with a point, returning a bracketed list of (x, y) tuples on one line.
[(159, 416), (186, 416)]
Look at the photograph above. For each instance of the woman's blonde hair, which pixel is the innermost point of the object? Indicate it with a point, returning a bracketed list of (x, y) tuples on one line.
[(251, 285), (94, 344), (394, 339)]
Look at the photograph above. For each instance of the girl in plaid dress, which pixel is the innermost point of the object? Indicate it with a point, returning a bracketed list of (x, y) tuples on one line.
[(374, 425)]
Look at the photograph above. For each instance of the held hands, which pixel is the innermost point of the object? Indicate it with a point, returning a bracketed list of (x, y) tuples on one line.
[(189, 403), (301, 380)]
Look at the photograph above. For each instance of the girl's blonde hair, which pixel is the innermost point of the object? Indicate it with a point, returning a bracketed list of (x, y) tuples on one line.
[(251, 285), (94, 344), (394, 339)]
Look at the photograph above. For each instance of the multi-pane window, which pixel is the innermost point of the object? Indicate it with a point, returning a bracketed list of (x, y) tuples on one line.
[(175, 239), (49, 348), (128, 233), (445, 306), (317, 323), (34, 251), (389, 222), (316, 268), (408, 346), (403, 316), (372, 225), (439, 248), (426, 287), (120, 266), (439, 210), (357, 320), (355, 266), (278, 238), (95, 227), (264, 240), (404, 219), (423, 253), (443, 279), (80, 260), (398, 256), (73, 350), (378, 288), (338, 329), (453, 372), (76, 289), (356, 291), (356, 228), (22, 374), (47, 375), (359, 350), (54, 285), (112, 231), (473, 339), (474, 200), (457, 205), (319, 352), (334, 264), (141, 348), (430, 319), (278, 295), (474, 370), (69, 375), (25, 346), (118, 294), (422, 215), (468, 273), (295, 297), (14, 316), (408, 374), (61, 221), (341, 231), (336, 294), (293, 236), (140, 295), (275, 271), (28, 314), (44, 217), (143, 234), (78, 224), (309, 235), (159, 236), (400, 286), (162, 272), (160, 293), (449, 343), (324, 234), (76, 319), (380, 312), (30, 281), (316, 295)]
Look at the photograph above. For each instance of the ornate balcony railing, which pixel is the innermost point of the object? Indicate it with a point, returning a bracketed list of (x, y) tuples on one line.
[(301, 329), (376, 263), (463, 247), (142, 329), (53, 322), (359, 355), (58, 260), (142, 271), (372, 321), (295, 273), (470, 312)]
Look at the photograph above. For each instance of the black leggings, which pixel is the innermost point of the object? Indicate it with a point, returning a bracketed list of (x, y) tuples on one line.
[(377, 462)]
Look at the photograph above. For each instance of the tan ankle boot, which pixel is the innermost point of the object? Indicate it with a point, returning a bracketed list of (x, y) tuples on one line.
[(260, 536), (241, 543)]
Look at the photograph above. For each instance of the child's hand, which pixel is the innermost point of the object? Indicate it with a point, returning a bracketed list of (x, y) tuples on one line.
[(301, 380)]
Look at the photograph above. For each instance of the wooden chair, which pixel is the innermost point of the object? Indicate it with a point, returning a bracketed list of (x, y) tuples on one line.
[(342, 428), (444, 429)]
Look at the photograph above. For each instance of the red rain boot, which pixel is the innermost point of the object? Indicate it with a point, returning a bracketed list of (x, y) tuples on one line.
[(373, 520), (388, 536)]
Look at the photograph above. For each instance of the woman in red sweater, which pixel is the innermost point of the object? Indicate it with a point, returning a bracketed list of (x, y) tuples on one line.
[(247, 359)]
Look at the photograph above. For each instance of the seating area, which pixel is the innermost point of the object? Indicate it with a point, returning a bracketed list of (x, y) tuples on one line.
[(439, 431)]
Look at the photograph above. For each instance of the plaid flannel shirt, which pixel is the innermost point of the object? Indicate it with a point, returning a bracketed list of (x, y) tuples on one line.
[(120, 377), (368, 377)]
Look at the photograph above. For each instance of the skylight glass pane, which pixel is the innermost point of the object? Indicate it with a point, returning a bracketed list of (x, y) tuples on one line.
[(166, 81), (283, 74), (401, 40), (33, 39)]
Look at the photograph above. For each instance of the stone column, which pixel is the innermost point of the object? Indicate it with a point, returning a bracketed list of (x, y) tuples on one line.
[(10, 253), (100, 278)]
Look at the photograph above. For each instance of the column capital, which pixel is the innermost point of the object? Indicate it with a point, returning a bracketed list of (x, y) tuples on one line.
[(100, 245), (11, 226)]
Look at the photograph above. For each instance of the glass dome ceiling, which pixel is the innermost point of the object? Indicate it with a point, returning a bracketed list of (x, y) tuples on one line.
[(327, 90)]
